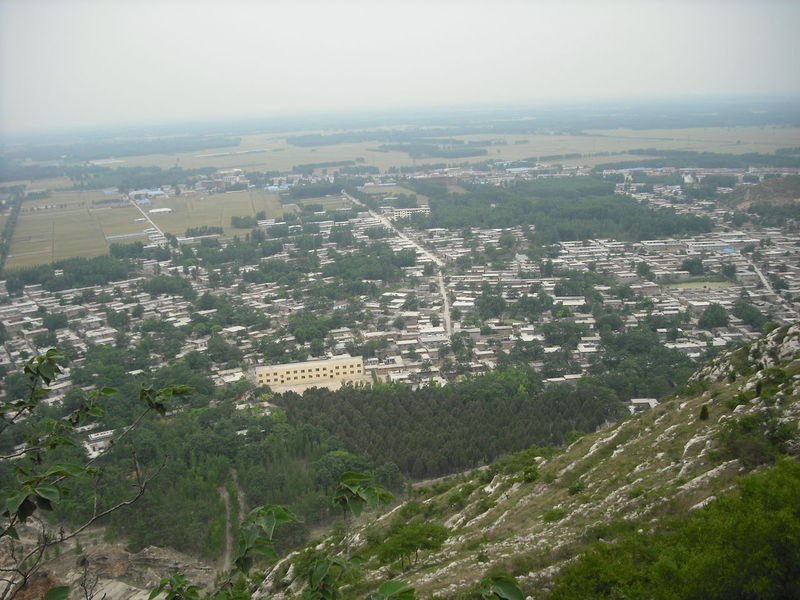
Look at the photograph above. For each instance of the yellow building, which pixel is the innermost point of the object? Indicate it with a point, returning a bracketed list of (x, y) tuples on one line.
[(337, 369)]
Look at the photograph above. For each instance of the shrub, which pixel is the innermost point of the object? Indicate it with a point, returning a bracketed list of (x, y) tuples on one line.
[(554, 514)]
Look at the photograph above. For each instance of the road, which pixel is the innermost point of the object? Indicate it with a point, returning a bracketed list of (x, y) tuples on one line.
[(145, 215), (764, 280), (422, 250), (768, 286), (448, 326)]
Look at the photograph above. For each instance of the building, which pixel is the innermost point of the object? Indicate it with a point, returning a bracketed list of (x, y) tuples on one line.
[(337, 369), (394, 214)]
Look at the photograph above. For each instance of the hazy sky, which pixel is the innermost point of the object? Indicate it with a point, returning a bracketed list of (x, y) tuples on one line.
[(73, 62)]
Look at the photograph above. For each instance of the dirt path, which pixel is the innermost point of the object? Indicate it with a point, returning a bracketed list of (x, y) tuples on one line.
[(227, 546), (226, 560), (239, 496)]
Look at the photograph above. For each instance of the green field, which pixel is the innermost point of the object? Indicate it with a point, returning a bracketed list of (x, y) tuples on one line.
[(454, 188), (271, 152), (327, 202), (67, 224), (214, 210), (78, 226), (700, 285), (394, 190)]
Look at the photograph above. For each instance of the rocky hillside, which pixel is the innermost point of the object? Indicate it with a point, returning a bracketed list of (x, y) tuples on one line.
[(780, 190), (97, 568), (532, 513)]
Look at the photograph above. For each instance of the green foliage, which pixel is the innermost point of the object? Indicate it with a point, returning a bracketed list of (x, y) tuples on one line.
[(77, 273), (756, 439), (693, 265), (409, 539), (204, 230), (554, 514), (707, 160), (176, 587), (713, 316), (747, 312), (393, 590), (47, 473), (352, 495), (636, 364), (172, 285), (499, 586), (378, 261), (745, 545), (563, 209), (256, 534), (325, 576), (437, 430), (577, 487), (60, 592)]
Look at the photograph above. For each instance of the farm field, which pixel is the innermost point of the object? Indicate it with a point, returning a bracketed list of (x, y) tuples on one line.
[(214, 210), (732, 140), (394, 190), (700, 285), (54, 183), (78, 226), (76, 223), (326, 202), (271, 152), (67, 224)]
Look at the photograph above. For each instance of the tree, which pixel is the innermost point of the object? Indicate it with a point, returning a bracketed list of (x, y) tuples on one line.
[(41, 482), (728, 271), (410, 539), (713, 316), (693, 265)]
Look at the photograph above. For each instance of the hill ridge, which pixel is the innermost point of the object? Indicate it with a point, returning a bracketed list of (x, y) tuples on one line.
[(533, 512)]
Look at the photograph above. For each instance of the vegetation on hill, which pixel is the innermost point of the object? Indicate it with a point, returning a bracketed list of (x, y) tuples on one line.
[(660, 506), (744, 545)]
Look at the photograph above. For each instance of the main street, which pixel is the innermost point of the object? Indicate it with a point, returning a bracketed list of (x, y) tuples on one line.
[(439, 262)]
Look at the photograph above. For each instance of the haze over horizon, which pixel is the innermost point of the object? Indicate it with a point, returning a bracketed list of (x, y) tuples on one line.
[(88, 63)]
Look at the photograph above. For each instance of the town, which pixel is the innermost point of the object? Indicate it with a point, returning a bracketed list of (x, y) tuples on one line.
[(362, 293)]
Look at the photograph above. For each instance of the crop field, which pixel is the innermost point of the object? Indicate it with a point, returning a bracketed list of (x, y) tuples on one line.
[(77, 223), (271, 152), (394, 190), (732, 140), (214, 210), (54, 183), (454, 188), (700, 285), (68, 224), (326, 202)]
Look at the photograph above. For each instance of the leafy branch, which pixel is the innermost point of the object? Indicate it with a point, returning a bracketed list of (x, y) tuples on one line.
[(39, 487)]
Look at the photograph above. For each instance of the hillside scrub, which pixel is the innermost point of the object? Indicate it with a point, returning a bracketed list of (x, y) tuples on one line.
[(746, 545)]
